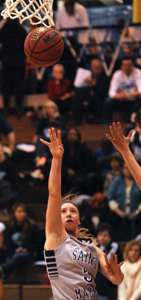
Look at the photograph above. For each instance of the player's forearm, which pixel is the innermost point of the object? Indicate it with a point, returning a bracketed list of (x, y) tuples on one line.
[(132, 164), (54, 184)]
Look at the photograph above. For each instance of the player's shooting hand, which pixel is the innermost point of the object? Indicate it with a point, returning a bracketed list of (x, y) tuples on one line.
[(119, 141), (112, 266), (55, 146)]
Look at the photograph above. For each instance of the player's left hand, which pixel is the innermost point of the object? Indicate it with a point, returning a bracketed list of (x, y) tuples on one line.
[(112, 266)]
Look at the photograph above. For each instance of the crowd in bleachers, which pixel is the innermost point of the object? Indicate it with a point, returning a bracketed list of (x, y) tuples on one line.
[(77, 89)]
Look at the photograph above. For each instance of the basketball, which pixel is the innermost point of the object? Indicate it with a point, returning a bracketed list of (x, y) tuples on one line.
[(44, 46)]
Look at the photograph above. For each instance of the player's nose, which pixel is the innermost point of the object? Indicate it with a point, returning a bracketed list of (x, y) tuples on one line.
[(68, 212)]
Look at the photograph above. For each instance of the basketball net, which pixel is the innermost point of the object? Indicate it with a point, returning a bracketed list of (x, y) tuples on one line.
[(36, 11)]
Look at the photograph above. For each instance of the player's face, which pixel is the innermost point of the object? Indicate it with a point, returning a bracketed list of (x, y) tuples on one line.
[(70, 217), (20, 214), (133, 254), (103, 238)]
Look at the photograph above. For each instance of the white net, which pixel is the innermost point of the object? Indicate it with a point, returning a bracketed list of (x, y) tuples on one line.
[(36, 11)]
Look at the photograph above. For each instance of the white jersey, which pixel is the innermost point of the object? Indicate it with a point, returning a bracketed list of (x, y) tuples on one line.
[(72, 268)]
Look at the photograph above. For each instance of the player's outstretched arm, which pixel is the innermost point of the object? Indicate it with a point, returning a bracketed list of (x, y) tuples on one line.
[(121, 143), (110, 269), (55, 231)]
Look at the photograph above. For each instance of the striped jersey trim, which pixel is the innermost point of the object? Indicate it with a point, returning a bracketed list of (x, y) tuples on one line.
[(51, 264)]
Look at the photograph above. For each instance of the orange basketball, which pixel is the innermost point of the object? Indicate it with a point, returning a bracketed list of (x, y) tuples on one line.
[(44, 46)]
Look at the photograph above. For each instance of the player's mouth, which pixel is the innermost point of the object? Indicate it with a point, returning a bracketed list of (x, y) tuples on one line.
[(69, 221)]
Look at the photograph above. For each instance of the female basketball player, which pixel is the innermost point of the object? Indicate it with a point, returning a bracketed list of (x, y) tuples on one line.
[(122, 145), (72, 263)]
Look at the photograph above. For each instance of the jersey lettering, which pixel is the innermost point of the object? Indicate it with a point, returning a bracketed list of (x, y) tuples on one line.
[(80, 255), (83, 293)]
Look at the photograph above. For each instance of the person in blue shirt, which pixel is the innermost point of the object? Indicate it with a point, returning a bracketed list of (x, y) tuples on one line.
[(124, 198)]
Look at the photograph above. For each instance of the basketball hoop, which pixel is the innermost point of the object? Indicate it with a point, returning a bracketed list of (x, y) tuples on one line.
[(36, 11)]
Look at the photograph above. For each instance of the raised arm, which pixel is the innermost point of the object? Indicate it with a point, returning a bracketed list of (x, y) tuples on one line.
[(110, 269), (55, 231), (121, 143)]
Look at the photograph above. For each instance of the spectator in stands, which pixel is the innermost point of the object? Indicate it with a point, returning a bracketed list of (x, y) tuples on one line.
[(129, 44), (90, 98), (7, 130), (2, 251), (73, 15), (124, 197), (8, 179), (103, 156), (59, 90), (50, 118), (135, 141), (116, 162), (106, 290), (20, 239), (77, 162), (5, 195), (124, 92), (30, 77), (12, 37), (130, 288)]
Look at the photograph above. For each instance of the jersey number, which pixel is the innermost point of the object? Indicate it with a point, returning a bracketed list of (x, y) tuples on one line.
[(87, 278)]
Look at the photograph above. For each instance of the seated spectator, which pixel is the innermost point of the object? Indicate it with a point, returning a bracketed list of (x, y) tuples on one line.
[(7, 130), (8, 181), (72, 15), (103, 156), (130, 288), (129, 44), (116, 163), (2, 251), (92, 49), (77, 162), (90, 98), (59, 90), (50, 118), (5, 195), (124, 197), (106, 290), (30, 78), (124, 92), (135, 141), (20, 240), (40, 174)]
